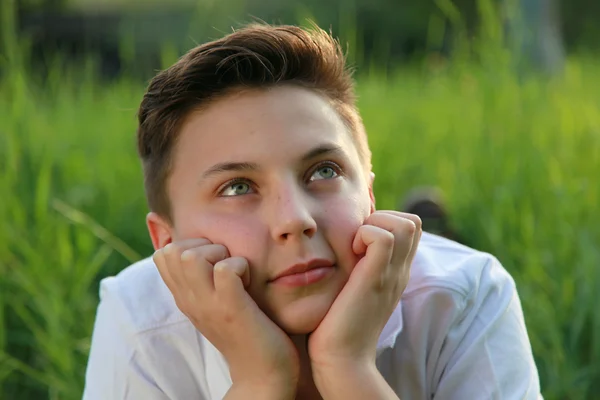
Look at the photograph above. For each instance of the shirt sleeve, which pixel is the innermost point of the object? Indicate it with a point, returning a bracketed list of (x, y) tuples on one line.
[(486, 352), (113, 371)]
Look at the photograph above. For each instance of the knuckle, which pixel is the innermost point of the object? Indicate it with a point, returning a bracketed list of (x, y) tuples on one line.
[(417, 221), (363, 229), (171, 249), (412, 227), (157, 258), (231, 262), (222, 250), (408, 227), (191, 256), (387, 237), (203, 242)]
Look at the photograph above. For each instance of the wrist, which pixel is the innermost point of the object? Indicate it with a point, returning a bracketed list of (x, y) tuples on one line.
[(278, 386), (343, 365), (268, 390), (332, 379)]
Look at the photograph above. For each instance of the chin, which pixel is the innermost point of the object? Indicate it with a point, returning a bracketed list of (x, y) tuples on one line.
[(303, 316)]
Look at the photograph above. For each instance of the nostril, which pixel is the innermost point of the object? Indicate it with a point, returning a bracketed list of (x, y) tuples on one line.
[(309, 232)]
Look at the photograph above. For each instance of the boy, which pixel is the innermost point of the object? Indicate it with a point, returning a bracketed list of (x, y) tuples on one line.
[(274, 277)]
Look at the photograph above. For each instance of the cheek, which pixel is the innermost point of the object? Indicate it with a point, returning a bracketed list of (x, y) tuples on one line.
[(341, 224), (241, 234), (350, 211)]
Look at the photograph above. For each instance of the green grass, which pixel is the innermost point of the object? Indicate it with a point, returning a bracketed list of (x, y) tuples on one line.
[(519, 165), (517, 158)]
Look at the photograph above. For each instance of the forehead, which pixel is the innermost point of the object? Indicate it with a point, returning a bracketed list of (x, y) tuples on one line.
[(264, 124)]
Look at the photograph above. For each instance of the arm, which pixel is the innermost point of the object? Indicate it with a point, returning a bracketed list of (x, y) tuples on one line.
[(486, 351), (343, 347), (350, 382), (265, 392), (113, 371)]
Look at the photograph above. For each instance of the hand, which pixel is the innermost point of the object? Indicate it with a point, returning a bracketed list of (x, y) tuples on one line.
[(349, 333), (209, 288)]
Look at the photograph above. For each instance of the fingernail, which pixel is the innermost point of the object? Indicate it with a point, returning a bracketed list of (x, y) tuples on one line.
[(220, 265)]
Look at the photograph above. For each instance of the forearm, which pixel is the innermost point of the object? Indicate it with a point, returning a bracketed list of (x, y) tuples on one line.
[(267, 392), (354, 382)]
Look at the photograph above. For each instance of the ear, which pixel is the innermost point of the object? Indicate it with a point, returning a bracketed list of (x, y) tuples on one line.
[(371, 193), (160, 230)]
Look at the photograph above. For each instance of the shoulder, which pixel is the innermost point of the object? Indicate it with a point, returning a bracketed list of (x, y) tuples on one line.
[(140, 334), (141, 298), (461, 316), (442, 264), (450, 281)]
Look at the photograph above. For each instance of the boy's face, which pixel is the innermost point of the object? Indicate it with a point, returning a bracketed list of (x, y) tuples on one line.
[(274, 176)]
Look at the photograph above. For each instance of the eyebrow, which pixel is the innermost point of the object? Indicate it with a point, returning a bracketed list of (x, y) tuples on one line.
[(324, 149), (228, 167)]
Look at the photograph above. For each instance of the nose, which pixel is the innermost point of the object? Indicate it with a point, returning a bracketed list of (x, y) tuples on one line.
[(291, 215)]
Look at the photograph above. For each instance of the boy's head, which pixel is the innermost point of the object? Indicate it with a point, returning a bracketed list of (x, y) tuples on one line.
[(254, 141)]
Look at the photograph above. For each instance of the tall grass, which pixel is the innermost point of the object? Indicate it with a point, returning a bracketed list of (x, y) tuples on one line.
[(519, 165), (517, 158)]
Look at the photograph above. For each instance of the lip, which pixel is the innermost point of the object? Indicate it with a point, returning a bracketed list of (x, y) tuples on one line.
[(303, 267)]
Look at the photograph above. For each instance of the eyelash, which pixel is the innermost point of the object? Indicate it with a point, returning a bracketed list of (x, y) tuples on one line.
[(333, 165)]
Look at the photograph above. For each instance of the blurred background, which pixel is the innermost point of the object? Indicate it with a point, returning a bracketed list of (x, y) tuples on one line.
[(494, 102)]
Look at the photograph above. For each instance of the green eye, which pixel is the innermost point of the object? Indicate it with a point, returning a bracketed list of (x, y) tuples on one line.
[(324, 172), (236, 189)]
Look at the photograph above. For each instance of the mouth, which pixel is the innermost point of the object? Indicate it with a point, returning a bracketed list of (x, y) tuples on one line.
[(303, 274)]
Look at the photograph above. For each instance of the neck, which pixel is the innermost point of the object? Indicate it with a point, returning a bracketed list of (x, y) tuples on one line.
[(306, 385)]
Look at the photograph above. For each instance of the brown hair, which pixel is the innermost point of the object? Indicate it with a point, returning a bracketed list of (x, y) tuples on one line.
[(257, 56)]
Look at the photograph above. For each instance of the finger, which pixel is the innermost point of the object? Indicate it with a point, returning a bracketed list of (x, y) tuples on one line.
[(197, 265), (213, 253), (172, 254), (231, 276), (358, 245), (161, 264), (404, 227), (382, 219), (378, 244), (417, 237), (419, 231), (413, 217)]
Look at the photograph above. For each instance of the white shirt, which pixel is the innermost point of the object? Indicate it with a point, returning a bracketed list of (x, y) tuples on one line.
[(457, 333)]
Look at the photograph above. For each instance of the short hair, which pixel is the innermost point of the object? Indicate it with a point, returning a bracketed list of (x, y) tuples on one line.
[(254, 57)]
